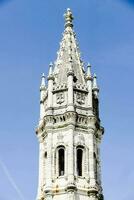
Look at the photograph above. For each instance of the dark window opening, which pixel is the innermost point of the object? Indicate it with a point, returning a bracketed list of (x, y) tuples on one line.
[(54, 120), (64, 119), (45, 154), (79, 161), (61, 162), (75, 79)]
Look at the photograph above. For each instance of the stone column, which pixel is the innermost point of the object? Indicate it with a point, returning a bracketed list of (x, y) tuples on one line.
[(42, 94), (42, 111), (70, 90), (71, 195), (91, 158), (89, 85), (50, 89), (53, 164), (41, 170), (48, 188), (70, 157), (75, 161), (87, 164), (99, 162)]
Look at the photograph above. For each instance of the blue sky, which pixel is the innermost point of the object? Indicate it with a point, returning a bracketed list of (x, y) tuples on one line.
[(30, 32)]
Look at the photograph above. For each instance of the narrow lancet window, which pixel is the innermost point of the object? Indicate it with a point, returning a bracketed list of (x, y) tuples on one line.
[(61, 161), (79, 161)]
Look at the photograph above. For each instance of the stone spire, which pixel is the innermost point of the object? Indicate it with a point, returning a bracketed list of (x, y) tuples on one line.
[(69, 129), (42, 95), (69, 51)]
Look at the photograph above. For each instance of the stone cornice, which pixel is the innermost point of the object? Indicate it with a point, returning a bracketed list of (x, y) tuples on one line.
[(63, 121)]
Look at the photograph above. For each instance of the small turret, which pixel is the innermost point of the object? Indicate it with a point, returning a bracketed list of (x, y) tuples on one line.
[(42, 94), (95, 86), (50, 86), (95, 96), (89, 85)]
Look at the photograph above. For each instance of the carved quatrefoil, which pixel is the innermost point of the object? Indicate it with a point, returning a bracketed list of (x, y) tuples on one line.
[(80, 98), (60, 98)]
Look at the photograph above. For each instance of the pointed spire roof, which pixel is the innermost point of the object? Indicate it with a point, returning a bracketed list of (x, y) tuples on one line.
[(68, 54)]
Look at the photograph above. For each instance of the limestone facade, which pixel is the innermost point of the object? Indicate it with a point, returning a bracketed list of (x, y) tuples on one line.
[(69, 129)]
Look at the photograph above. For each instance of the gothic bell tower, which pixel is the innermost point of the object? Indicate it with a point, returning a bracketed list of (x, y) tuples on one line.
[(69, 130)]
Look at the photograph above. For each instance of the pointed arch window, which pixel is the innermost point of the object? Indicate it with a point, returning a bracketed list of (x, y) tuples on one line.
[(79, 161), (61, 161)]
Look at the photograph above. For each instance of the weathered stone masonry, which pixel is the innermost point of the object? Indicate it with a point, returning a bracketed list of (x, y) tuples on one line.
[(69, 129)]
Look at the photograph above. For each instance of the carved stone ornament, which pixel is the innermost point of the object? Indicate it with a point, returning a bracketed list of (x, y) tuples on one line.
[(60, 98), (80, 98)]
